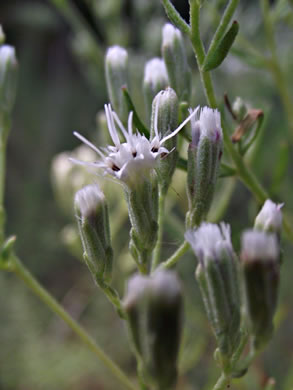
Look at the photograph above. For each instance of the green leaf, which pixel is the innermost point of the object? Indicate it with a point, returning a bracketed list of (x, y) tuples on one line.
[(216, 57), (175, 17), (136, 120)]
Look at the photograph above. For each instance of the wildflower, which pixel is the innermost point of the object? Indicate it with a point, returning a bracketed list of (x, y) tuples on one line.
[(270, 217), (260, 265), (175, 58), (155, 80), (132, 164), (204, 155), (154, 308), (131, 161), (116, 68), (93, 222), (216, 274), (164, 119), (8, 77)]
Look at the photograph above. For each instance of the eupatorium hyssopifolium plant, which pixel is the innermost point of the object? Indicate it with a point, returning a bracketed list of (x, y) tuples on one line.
[(239, 292)]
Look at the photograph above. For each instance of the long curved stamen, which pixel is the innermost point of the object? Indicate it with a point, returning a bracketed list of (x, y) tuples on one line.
[(88, 143), (156, 117), (180, 127), (111, 125), (85, 163), (120, 125), (130, 118)]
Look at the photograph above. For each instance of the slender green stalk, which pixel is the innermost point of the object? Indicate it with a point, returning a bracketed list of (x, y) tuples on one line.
[(157, 251), (222, 383), (113, 297), (169, 263), (275, 67), (227, 16), (200, 53), (5, 125), (244, 173), (21, 271)]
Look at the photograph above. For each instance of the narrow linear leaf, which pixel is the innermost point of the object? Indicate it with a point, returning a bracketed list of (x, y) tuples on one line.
[(182, 164), (216, 57), (175, 17), (137, 121), (226, 171)]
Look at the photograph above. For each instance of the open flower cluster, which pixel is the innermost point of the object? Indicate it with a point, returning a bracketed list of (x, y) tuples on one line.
[(134, 158)]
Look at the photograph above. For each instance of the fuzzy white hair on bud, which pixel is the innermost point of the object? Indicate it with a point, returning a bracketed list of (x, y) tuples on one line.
[(257, 245), (7, 53), (209, 239), (210, 123), (88, 198), (169, 33), (116, 55), (270, 216), (155, 70)]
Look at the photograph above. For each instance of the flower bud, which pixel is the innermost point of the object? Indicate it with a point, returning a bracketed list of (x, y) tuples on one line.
[(93, 223), (239, 108), (164, 121), (216, 274), (2, 35), (8, 77), (204, 155), (142, 201), (154, 308), (260, 264), (174, 55), (116, 67), (155, 79), (270, 217)]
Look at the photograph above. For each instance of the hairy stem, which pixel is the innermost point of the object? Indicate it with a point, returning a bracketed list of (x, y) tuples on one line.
[(222, 383), (176, 256), (275, 67), (157, 251), (20, 270)]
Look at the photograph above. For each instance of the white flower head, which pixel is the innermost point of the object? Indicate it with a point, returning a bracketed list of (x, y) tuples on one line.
[(155, 72), (117, 56), (132, 160), (209, 239), (206, 124), (257, 245), (88, 199), (270, 216), (170, 33)]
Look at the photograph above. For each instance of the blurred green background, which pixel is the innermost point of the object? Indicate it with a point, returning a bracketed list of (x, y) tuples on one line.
[(60, 47)]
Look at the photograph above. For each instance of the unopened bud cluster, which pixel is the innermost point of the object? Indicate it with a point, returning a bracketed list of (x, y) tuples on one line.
[(218, 273)]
